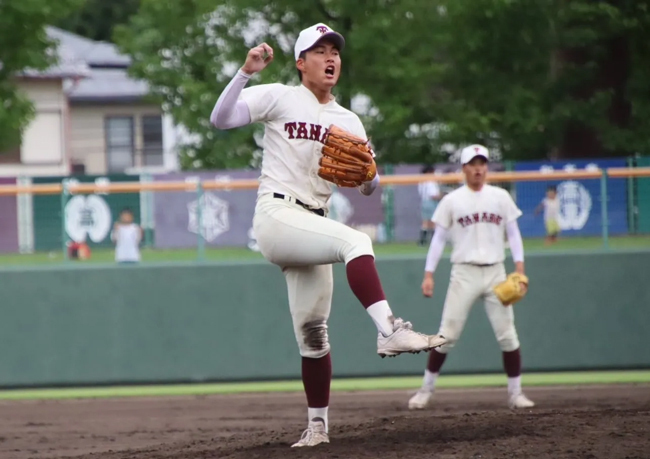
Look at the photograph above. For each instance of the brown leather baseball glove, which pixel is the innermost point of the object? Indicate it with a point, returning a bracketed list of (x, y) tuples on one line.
[(348, 160)]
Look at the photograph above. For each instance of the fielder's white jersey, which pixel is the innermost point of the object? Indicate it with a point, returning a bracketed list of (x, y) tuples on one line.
[(428, 190), (295, 127), (551, 209), (476, 221)]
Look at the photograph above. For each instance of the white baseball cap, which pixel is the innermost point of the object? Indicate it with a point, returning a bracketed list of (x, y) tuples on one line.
[(471, 152), (312, 35)]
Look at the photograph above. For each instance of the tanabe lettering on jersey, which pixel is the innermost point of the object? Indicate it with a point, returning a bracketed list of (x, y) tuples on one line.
[(484, 217), (298, 130)]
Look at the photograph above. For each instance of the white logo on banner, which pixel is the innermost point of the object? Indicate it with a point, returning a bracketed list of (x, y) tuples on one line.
[(87, 216), (214, 216), (575, 205), (340, 208)]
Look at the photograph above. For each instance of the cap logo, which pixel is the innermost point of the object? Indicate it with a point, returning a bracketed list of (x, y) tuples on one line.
[(476, 149), (321, 29)]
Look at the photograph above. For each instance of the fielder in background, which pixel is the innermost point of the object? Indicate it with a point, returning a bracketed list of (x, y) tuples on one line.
[(551, 207), (127, 236), (475, 216), (430, 195), (293, 198)]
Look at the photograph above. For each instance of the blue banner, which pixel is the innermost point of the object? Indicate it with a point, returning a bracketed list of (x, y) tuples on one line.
[(406, 199), (580, 200)]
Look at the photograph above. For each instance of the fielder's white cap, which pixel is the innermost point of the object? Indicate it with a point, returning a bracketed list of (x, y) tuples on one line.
[(471, 152), (312, 35)]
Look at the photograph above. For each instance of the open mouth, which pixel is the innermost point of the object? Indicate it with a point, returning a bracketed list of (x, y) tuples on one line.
[(329, 70)]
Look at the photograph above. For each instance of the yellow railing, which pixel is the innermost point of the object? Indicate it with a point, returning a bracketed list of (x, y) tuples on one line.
[(412, 179)]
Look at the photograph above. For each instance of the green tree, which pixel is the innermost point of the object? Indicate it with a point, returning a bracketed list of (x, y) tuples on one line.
[(97, 18), (24, 45), (188, 51), (552, 78), (556, 78)]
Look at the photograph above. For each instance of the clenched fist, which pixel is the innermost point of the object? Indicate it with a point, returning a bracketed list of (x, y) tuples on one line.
[(257, 59)]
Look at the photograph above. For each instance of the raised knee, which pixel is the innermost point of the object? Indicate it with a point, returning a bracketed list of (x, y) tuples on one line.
[(358, 246), (364, 240), (314, 341)]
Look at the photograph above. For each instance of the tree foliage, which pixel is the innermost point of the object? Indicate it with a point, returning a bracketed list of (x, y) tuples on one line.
[(23, 45), (557, 78), (96, 19), (554, 78)]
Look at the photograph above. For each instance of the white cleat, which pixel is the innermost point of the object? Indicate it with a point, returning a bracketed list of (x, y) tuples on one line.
[(421, 399), (405, 339), (314, 434), (519, 401)]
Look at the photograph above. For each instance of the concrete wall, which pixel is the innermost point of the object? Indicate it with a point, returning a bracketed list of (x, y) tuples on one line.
[(88, 325)]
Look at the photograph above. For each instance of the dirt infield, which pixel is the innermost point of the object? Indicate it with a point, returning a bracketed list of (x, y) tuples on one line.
[(577, 422)]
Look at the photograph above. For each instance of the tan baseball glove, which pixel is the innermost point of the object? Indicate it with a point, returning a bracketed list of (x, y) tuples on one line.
[(348, 160), (510, 291)]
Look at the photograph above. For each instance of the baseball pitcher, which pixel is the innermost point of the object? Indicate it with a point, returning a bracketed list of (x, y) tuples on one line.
[(475, 216), (309, 143)]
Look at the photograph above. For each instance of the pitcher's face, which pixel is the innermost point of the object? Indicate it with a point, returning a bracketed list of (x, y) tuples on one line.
[(321, 66)]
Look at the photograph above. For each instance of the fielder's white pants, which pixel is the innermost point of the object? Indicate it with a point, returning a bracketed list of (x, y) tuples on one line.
[(305, 245), (467, 284)]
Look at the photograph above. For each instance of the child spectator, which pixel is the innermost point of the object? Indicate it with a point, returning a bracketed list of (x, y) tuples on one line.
[(127, 236), (551, 206)]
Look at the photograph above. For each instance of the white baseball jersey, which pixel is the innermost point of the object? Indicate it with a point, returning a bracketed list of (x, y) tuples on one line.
[(551, 209), (428, 190), (127, 241), (295, 127), (476, 222)]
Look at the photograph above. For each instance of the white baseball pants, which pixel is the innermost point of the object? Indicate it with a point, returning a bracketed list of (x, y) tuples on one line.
[(305, 245), (467, 284)]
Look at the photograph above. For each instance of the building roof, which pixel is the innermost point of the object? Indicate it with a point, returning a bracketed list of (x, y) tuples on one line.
[(69, 64), (93, 53), (99, 69), (107, 85)]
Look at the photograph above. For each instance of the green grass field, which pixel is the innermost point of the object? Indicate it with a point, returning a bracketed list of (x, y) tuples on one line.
[(382, 250), (360, 384)]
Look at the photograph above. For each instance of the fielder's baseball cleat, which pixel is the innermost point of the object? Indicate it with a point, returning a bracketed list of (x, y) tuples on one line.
[(314, 434), (405, 339), (421, 399), (519, 401)]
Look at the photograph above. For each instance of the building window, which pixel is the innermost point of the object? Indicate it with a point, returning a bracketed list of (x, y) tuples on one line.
[(119, 143), (152, 140)]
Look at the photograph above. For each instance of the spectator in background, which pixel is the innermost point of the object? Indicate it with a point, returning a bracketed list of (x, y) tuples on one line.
[(551, 206), (127, 236), (430, 195)]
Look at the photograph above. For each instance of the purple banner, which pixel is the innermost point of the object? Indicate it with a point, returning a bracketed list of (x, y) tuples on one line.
[(406, 199), (364, 213), (227, 216), (9, 226)]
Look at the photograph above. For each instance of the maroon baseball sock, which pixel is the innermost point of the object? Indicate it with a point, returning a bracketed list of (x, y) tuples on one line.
[(316, 378), (512, 363), (365, 284), (364, 280), (436, 359)]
